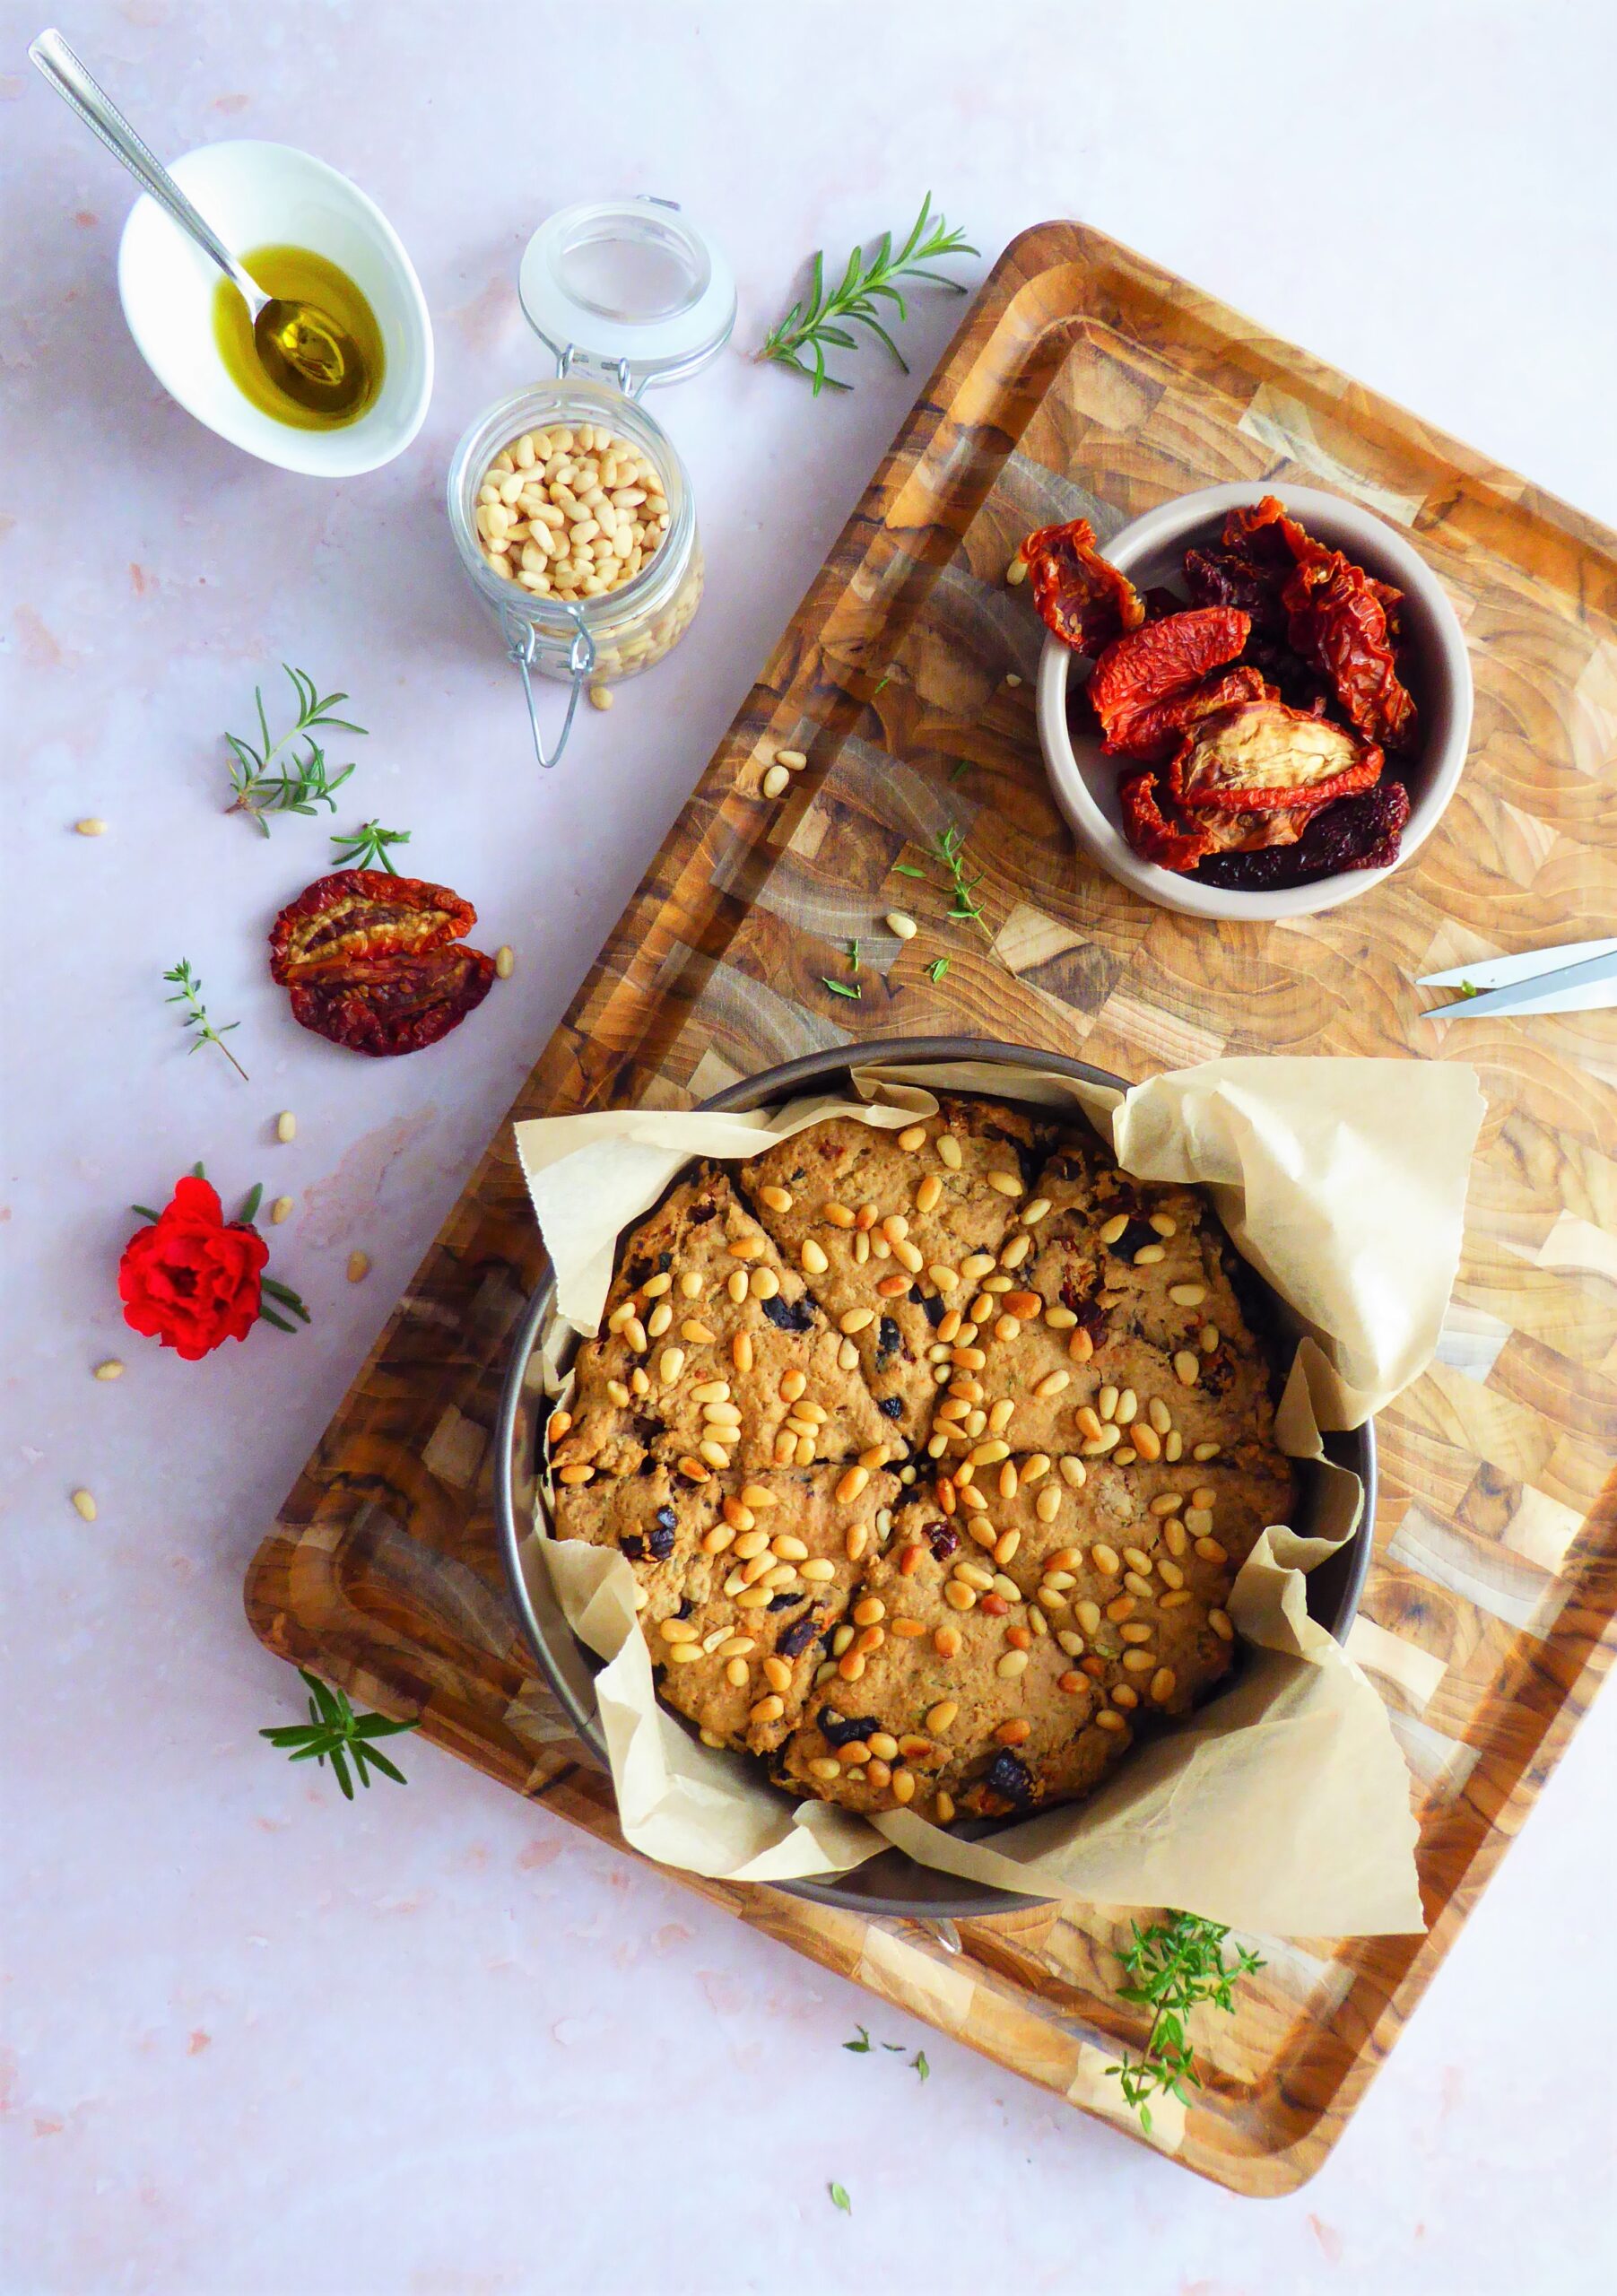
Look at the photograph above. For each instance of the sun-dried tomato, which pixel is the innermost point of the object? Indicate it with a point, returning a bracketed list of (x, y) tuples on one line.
[(1165, 662), (378, 963), (1337, 620), (1260, 756), (1152, 733), (1229, 577), (1363, 833), (1173, 844), (1080, 595), (1340, 624), (1255, 832)]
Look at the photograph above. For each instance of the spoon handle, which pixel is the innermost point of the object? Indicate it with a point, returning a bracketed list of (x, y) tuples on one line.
[(65, 74)]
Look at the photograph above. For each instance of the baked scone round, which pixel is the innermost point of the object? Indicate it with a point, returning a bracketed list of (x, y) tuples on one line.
[(935, 1449)]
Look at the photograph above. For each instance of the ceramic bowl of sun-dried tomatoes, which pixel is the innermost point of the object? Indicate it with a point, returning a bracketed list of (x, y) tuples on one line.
[(1251, 705)]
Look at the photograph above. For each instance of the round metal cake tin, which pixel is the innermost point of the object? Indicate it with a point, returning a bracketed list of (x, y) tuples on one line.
[(891, 1883)]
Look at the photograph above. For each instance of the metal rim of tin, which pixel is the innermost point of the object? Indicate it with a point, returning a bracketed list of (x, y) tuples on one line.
[(890, 1883)]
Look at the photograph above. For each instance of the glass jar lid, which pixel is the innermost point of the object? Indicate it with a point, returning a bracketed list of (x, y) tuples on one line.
[(628, 289)]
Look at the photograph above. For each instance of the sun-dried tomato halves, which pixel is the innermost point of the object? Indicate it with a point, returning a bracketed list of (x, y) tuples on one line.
[(378, 963), (1079, 596)]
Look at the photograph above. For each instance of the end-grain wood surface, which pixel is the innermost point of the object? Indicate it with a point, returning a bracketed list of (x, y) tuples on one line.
[(1087, 381)]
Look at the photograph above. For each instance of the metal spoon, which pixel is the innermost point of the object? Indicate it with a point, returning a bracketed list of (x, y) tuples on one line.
[(303, 351)]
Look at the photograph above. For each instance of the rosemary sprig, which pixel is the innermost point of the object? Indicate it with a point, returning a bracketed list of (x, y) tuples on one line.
[(1177, 1965), (368, 846), (841, 988), (188, 991), (333, 1729), (839, 2198), (936, 970), (299, 784), (821, 318)]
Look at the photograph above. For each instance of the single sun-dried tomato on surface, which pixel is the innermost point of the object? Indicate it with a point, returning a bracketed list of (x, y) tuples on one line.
[(1337, 621), (1163, 663), (1260, 756), (1363, 833), (1079, 596), (363, 913), (1172, 844), (378, 963)]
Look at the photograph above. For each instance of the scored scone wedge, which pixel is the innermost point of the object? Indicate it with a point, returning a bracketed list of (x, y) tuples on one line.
[(966, 1707), (657, 1519), (889, 1227), (711, 1354), (782, 1563), (1123, 1331)]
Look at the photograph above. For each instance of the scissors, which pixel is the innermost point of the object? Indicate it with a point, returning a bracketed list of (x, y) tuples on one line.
[(1580, 977)]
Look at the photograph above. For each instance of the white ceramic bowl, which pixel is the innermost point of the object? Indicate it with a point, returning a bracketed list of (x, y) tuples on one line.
[(1152, 550), (268, 194)]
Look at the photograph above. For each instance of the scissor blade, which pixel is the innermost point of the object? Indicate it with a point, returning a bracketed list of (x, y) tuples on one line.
[(1564, 989), (1501, 972)]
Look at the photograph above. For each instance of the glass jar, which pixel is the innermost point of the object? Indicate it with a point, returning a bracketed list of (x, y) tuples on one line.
[(654, 302)]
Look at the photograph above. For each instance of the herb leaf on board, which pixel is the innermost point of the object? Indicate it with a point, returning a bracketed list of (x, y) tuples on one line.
[(1175, 1965)]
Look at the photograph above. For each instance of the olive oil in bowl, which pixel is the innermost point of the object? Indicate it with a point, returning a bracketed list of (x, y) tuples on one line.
[(298, 275)]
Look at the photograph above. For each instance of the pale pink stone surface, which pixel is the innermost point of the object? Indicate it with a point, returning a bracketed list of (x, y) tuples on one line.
[(250, 2039)]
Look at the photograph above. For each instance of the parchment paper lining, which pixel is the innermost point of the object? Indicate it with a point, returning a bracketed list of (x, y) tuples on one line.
[(1282, 1806)]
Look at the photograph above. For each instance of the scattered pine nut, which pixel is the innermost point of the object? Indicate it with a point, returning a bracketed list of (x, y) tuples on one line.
[(85, 1505), (110, 1369), (775, 780), (904, 926), (505, 962), (92, 826), (1017, 570), (795, 760), (286, 1126), (282, 1209), (600, 697), (359, 1267), (1012, 678)]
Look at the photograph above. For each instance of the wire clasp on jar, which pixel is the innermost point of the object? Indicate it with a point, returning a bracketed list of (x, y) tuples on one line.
[(520, 644)]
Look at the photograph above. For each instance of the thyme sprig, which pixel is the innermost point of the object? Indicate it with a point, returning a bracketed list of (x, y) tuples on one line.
[(1177, 1965), (965, 909), (299, 784), (188, 991), (821, 319), (368, 846), (334, 1731)]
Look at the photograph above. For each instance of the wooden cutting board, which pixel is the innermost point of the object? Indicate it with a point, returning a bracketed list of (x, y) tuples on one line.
[(1085, 380)]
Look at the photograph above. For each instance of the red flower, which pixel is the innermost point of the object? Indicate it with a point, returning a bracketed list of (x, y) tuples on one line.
[(191, 1279)]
